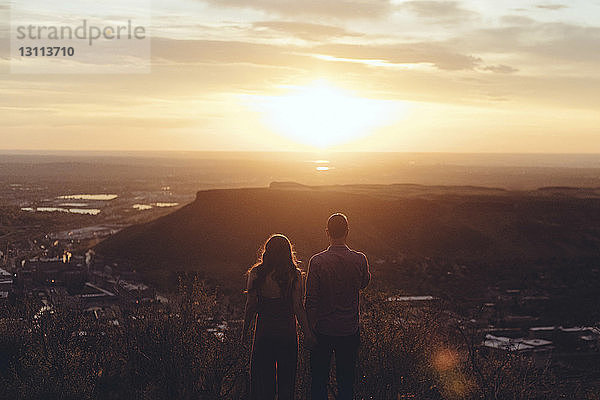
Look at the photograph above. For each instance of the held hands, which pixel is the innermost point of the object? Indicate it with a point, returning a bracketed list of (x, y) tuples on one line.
[(244, 337), (310, 340)]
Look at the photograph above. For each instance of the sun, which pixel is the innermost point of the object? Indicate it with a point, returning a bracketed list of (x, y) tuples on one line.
[(322, 115)]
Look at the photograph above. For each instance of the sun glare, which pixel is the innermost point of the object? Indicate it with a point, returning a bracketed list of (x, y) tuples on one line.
[(322, 116)]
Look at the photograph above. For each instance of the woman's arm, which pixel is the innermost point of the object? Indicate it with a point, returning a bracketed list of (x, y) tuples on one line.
[(300, 312), (251, 305)]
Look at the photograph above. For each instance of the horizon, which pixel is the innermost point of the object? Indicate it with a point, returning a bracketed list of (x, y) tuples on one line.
[(326, 162), (39, 151)]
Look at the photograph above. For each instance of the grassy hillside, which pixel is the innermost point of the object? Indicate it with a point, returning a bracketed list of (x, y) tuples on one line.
[(225, 227)]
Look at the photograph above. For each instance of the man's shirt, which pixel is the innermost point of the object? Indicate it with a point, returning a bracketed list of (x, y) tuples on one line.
[(335, 277)]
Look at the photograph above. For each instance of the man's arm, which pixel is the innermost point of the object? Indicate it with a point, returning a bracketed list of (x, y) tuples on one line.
[(366, 273), (311, 297)]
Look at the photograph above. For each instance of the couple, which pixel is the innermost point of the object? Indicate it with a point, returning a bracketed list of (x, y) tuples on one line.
[(328, 317)]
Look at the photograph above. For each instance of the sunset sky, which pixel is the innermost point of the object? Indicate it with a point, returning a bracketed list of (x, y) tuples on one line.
[(379, 75)]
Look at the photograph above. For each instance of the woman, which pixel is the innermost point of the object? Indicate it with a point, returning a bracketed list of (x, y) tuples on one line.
[(275, 299)]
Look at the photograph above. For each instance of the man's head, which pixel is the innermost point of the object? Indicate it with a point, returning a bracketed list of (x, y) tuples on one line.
[(337, 227)]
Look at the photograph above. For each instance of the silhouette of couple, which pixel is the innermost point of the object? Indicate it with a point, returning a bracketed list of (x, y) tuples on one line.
[(328, 316)]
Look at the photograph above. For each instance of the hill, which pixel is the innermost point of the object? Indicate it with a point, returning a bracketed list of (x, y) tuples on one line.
[(224, 228)]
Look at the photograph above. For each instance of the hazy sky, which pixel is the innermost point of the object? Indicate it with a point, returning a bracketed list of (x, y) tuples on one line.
[(494, 76)]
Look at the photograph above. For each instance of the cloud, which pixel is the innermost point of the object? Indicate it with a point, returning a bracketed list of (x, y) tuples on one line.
[(500, 69), (559, 43), (423, 52), (322, 8), (552, 6), (305, 30), (220, 51), (215, 51), (516, 20), (447, 12), (569, 42)]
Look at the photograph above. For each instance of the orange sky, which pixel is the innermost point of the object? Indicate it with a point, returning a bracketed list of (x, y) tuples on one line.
[(470, 76)]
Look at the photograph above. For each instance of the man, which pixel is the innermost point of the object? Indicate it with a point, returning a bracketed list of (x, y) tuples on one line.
[(335, 277)]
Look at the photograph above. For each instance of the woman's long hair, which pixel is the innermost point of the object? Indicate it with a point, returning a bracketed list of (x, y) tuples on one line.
[(277, 256)]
